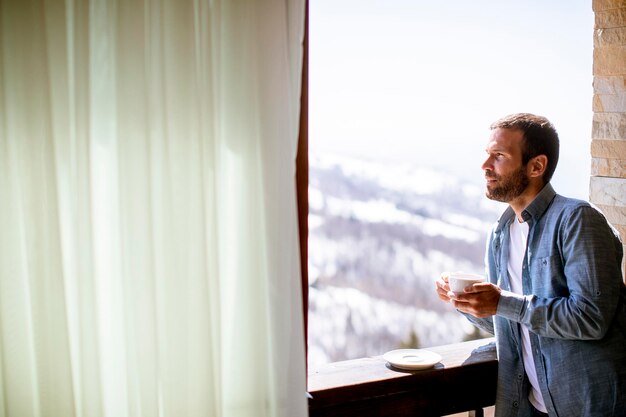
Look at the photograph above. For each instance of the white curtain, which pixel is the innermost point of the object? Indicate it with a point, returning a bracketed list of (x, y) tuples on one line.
[(149, 261)]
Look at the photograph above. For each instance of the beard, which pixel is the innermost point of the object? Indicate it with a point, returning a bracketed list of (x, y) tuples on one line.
[(508, 187)]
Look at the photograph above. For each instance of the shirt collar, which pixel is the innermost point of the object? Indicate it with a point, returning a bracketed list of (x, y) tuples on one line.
[(535, 209)]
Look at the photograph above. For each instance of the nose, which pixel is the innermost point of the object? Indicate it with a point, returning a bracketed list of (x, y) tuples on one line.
[(488, 164)]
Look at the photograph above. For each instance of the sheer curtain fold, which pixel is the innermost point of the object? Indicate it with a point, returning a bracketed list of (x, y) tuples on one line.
[(149, 254)]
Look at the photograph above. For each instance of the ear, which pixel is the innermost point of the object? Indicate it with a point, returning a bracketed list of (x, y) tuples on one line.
[(537, 166)]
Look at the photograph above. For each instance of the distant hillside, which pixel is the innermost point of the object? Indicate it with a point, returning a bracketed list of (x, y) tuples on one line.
[(379, 237)]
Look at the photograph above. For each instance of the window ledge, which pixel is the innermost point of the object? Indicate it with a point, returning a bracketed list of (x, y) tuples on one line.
[(465, 379)]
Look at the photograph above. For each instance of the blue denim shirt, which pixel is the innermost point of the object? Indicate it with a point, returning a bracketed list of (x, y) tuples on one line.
[(574, 305)]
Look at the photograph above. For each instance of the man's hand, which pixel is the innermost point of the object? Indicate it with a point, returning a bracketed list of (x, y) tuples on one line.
[(480, 300), (443, 289)]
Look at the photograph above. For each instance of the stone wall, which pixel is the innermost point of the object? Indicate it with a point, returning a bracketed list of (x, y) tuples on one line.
[(608, 146)]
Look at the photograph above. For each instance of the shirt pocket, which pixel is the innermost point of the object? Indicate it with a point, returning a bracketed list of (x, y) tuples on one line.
[(547, 277)]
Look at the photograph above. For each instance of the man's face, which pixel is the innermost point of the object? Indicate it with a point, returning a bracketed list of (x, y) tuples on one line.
[(505, 175)]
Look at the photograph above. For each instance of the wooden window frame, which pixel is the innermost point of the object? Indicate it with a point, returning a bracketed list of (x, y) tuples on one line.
[(464, 380)]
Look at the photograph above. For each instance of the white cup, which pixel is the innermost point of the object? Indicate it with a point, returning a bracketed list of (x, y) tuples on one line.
[(459, 280)]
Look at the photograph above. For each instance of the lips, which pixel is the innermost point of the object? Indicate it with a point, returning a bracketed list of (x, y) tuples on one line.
[(490, 177), (491, 181)]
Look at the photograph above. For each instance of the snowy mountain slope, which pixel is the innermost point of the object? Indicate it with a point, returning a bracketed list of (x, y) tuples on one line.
[(379, 237)]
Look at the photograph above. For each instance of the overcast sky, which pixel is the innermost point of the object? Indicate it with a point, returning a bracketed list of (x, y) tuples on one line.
[(421, 81)]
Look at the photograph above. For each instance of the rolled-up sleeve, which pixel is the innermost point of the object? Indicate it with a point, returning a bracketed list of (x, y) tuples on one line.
[(587, 255)]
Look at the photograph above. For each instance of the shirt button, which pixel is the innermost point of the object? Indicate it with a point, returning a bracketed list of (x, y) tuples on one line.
[(520, 376), (515, 404)]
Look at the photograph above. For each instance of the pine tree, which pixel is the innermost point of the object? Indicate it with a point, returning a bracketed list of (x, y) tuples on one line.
[(412, 343)]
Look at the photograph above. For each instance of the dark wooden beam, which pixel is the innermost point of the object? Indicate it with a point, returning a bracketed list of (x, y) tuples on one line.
[(302, 174), (464, 380)]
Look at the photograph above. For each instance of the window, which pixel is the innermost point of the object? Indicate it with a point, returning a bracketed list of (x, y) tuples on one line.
[(401, 97)]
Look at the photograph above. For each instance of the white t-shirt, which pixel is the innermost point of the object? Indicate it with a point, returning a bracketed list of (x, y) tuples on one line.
[(518, 233)]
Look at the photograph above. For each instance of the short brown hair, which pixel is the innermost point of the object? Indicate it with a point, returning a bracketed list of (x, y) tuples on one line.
[(540, 138)]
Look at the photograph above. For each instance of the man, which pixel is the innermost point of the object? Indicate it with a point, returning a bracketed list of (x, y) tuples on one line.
[(555, 297)]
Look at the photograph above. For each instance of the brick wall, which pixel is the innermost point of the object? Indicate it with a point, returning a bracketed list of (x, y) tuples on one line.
[(608, 146)]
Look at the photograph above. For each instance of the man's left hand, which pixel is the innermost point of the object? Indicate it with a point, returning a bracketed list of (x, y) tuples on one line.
[(480, 300)]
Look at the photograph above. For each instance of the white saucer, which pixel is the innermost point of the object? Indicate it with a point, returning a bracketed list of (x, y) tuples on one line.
[(412, 359)]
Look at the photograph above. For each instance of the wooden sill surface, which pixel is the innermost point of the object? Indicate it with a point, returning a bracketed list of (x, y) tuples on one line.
[(465, 379)]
